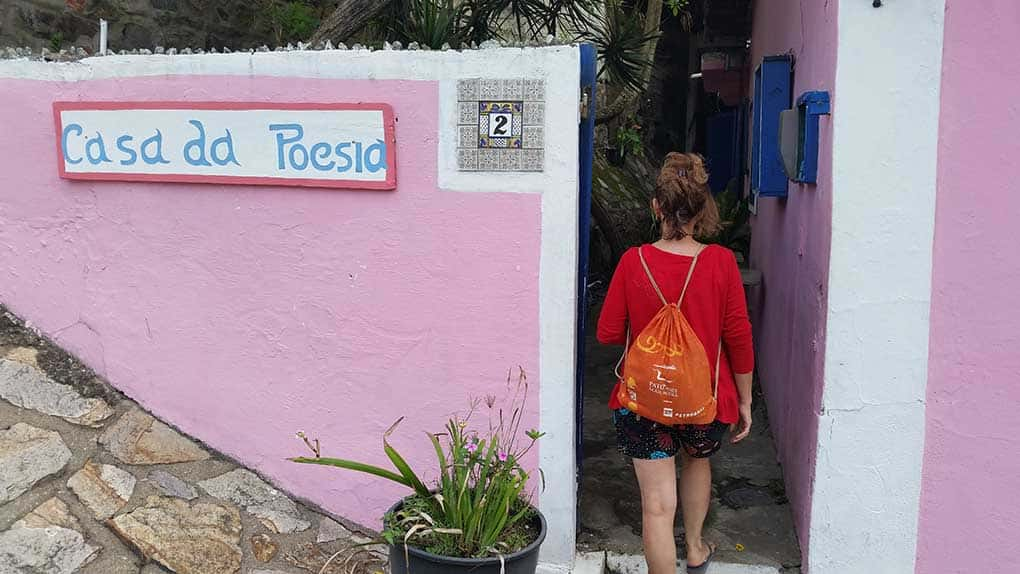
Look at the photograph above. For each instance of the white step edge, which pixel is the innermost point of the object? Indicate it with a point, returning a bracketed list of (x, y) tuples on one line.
[(590, 563), (632, 564), (584, 563)]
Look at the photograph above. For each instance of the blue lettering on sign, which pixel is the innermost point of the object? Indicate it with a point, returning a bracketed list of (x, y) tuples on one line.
[(63, 142), (379, 147), (195, 150), (281, 141), (348, 162), (293, 154), (295, 150), (227, 143), (95, 150), (132, 155), (322, 150), (147, 145)]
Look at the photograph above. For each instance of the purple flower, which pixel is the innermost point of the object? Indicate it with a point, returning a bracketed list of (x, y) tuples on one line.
[(472, 448), (502, 456)]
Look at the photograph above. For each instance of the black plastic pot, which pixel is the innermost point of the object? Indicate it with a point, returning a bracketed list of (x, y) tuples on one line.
[(615, 156), (417, 561)]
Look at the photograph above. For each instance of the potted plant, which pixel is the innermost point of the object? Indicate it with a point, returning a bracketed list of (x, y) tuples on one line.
[(628, 142), (478, 516), (734, 231)]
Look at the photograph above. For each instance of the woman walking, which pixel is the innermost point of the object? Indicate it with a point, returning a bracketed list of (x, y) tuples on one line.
[(711, 297)]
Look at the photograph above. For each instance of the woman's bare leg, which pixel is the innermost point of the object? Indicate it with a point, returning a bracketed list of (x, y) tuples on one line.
[(695, 496), (657, 479)]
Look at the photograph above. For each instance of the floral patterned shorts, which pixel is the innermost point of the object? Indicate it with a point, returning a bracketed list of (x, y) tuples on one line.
[(646, 439)]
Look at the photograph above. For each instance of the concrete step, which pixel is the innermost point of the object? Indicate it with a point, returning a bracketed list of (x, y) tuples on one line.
[(613, 563)]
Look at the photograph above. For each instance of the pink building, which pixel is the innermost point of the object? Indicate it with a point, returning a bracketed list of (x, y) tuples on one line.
[(886, 337), (240, 314)]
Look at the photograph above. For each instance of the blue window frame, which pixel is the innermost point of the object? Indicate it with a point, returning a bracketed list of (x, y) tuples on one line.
[(773, 83), (810, 105)]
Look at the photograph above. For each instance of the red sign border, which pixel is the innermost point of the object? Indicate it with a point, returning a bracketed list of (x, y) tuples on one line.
[(389, 127)]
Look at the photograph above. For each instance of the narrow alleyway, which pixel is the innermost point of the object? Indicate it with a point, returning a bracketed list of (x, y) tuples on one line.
[(750, 516), (91, 483)]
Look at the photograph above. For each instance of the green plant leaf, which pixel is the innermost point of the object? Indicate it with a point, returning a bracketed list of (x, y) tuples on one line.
[(401, 465), (432, 23), (355, 466)]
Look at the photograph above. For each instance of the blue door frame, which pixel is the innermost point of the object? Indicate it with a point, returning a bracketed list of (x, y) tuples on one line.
[(586, 155)]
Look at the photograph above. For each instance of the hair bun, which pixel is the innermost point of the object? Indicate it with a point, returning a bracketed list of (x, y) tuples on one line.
[(682, 192)]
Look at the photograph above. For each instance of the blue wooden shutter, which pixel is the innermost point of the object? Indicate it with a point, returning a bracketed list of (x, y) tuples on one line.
[(772, 94)]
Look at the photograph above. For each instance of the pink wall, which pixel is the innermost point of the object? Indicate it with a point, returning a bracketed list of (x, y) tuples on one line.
[(242, 314), (971, 477), (791, 247)]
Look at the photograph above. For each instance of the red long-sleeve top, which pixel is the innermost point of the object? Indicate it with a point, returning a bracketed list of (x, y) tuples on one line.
[(714, 306)]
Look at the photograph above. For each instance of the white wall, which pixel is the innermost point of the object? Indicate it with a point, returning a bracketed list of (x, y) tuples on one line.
[(871, 432)]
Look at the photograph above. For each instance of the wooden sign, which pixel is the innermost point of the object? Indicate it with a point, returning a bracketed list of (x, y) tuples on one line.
[(317, 145)]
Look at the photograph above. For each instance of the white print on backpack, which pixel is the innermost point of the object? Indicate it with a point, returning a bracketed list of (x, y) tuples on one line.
[(662, 389), (658, 372)]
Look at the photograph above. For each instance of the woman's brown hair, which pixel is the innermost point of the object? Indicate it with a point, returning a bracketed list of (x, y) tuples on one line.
[(683, 197)]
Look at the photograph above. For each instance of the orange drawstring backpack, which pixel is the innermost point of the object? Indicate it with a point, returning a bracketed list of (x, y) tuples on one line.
[(666, 374)]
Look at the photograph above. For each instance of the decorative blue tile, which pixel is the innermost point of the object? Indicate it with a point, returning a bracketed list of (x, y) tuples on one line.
[(497, 122), (532, 160), (534, 113), (467, 159), (467, 136), (509, 160), (467, 90), (500, 124), (534, 137), (534, 90), (488, 159), (468, 113), (490, 89), (513, 89)]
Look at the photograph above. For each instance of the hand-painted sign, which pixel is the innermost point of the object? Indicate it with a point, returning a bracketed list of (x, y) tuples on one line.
[(318, 145)]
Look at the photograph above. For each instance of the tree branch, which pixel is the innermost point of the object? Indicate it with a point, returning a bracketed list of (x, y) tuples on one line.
[(349, 17)]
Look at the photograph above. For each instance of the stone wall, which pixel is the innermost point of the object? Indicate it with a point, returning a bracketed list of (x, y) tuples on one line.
[(91, 483), (134, 24)]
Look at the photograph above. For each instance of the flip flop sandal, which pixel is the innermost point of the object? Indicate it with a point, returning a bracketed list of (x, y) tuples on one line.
[(703, 567)]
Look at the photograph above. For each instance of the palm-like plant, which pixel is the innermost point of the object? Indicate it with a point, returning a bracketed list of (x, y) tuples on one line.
[(432, 23), (620, 39)]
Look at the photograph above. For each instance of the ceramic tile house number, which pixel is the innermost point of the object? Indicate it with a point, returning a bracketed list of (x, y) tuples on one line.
[(500, 125)]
